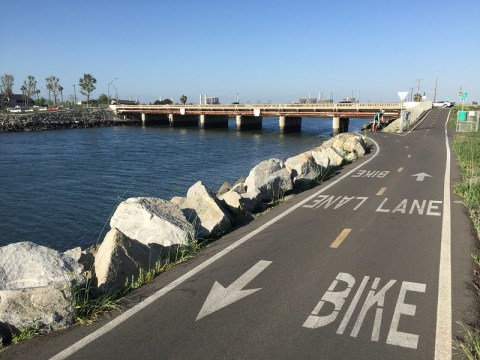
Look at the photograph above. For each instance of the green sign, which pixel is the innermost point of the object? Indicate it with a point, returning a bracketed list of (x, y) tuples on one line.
[(464, 95), (462, 116)]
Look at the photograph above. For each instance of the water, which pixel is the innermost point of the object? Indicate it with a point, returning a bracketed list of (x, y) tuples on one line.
[(59, 188)]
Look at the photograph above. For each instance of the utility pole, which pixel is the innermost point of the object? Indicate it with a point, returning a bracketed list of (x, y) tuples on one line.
[(418, 86), (411, 94), (436, 83)]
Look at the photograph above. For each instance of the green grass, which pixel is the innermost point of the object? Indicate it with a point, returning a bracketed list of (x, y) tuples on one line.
[(88, 306), (470, 345), (176, 255), (466, 147)]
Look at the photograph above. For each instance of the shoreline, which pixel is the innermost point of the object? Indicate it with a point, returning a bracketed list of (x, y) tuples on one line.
[(62, 119)]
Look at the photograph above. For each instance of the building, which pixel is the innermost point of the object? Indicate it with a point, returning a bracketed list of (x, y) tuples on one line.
[(212, 100), (16, 100)]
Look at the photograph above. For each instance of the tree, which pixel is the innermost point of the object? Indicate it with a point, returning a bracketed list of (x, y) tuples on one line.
[(30, 86), (163, 102), (53, 86), (103, 99), (183, 99), (41, 102), (23, 88), (87, 85), (417, 97), (60, 88), (6, 88)]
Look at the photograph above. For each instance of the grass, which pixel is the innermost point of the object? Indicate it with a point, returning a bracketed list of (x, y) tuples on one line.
[(176, 255), (466, 147), (88, 306), (22, 334)]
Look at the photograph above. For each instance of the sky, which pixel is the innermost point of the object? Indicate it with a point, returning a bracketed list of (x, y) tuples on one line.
[(265, 51)]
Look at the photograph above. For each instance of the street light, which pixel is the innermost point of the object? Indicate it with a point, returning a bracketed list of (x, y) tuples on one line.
[(110, 83), (75, 94)]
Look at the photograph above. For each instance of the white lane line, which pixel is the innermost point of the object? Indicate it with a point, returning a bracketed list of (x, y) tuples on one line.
[(338, 241), (140, 306), (381, 191), (443, 336), (407, 147), (400, 169), (409, 156)]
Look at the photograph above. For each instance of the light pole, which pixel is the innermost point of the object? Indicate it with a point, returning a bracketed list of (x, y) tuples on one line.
[(110, 83), (75, 94)]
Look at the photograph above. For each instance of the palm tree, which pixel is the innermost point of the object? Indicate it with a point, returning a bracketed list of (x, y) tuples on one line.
[(60, 88), (53, 86), (87, 85), (183, 99)]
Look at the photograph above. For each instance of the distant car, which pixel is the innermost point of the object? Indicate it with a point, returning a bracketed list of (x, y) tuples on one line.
[(53, 108), (444, 104)]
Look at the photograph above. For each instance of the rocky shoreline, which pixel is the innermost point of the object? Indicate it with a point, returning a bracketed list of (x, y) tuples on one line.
[(38, 284), (60, 119)]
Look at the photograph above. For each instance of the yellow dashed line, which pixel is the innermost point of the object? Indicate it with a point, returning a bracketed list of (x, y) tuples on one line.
[(338, 241), (381, 191)]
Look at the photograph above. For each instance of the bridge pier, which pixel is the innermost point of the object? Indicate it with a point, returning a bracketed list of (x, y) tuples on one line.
[(178, 120), (245, 122), (213, 121), (340, 125), (155, 119), (290, 124)]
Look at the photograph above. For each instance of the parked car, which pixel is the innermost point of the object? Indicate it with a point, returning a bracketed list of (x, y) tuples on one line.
[(443, 104)]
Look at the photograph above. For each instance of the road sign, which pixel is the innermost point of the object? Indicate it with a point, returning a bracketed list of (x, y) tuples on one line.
[(402, 95), (464, 95)]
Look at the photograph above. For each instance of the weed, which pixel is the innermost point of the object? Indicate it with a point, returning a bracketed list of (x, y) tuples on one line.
[(175, 255), (88, 307), (467, 150), (25, 334), (470, 345)]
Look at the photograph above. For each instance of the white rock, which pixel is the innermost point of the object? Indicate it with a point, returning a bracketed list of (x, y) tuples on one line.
[(118, 259), (36, 286), (269, 180), (355, 144), (303, 169), (321, 153), (202, 208), (152, 221)]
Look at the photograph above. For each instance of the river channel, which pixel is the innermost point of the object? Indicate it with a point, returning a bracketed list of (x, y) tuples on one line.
[(59, 188)]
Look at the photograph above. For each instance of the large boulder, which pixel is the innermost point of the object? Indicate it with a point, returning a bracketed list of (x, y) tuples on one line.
[(36, 286), (202, 208), (355, 144), (327, 156), (119, 260), (269, 180), (152, 221), (303, 169)]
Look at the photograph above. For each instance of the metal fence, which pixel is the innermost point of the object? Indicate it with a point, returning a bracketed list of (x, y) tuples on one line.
[(468, 121)]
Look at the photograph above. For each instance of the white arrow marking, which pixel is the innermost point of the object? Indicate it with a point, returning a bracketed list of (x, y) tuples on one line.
[(421, 176), (219, 297)]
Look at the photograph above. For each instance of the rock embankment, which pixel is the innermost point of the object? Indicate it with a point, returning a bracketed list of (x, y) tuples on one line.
[(61, 119), (36, 283)]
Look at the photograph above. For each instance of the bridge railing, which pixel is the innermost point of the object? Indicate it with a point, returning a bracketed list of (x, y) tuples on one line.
[(233, 107)]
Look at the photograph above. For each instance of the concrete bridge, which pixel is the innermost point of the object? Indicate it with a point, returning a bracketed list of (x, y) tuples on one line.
[(250, 116)]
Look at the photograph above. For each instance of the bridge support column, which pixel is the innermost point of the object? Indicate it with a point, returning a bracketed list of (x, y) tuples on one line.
[(340, 125), (245, 122), (213, 121), (290, 124), (177, 120)]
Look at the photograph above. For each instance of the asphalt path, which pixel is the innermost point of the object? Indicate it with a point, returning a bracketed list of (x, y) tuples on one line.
[(347, 270)]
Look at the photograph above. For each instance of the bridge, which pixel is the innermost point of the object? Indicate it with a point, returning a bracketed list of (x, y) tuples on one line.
[(250, 116)]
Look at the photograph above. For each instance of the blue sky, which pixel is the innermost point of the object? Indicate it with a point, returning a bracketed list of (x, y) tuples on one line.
[(263, 50)]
